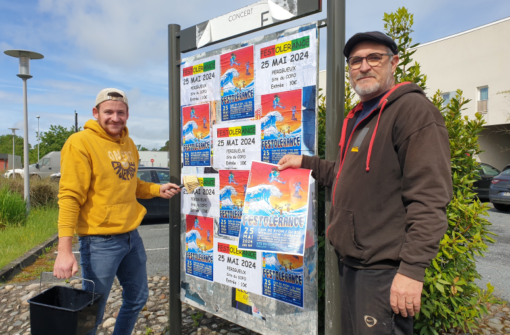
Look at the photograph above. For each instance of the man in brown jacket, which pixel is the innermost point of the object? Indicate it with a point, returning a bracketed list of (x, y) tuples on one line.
[(391, 184)]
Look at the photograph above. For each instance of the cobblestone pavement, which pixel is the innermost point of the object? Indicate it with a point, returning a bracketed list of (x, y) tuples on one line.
[(15, 315)]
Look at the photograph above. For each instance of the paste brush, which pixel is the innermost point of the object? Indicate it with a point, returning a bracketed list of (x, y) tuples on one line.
[(190, 183)]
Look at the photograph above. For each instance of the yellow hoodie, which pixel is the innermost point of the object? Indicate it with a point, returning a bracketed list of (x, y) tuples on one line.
[(99, 187)]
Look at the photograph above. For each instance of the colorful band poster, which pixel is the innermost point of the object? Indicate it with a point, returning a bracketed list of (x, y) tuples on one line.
[(288, 63), (196, 139), (237, 268), (204, 200), (275, 212), (199, 246), (233, 184), (237, 84), (236, 144), (200, 81), (285, 124), (283, 278)]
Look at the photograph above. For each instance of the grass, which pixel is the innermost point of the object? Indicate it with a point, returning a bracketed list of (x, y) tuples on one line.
[(16, 241), (12, 208), (44, 263)]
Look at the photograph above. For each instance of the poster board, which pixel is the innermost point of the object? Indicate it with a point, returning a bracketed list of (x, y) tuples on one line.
[(249, 287)]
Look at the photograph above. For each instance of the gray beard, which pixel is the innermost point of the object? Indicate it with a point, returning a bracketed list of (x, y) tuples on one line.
[(367, 91)]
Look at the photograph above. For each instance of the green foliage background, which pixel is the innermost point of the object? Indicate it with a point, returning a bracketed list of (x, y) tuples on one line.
[(450, 297)]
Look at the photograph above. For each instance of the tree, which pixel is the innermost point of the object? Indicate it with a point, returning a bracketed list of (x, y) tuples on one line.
[(165, 147), (450, 296), (140, 148), (6, 146), (52, 140)]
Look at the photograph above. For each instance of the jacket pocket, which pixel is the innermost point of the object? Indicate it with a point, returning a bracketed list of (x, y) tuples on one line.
[(342, 233), (118, 216)]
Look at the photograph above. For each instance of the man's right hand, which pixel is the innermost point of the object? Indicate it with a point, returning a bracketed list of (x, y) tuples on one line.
[(66, 265), (290, 161)]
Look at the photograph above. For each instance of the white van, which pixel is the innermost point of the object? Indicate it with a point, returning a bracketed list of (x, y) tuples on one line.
[(48, 165)]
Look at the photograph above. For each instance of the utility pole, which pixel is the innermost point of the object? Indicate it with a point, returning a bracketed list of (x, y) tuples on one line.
[(13, 151)]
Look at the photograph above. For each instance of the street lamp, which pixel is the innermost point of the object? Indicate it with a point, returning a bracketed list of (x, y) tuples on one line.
[(38, 117), (24, 73), (13, 158)]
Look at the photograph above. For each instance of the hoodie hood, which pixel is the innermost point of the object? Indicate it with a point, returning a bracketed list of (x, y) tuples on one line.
[(94, 126)]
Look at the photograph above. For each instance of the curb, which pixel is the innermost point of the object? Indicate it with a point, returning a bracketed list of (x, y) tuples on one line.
[(17, 265)]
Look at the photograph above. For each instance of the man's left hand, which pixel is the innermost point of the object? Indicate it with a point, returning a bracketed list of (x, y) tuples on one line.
[(405, 296), (167, 191)]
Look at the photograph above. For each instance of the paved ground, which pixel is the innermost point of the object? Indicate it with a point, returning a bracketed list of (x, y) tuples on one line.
[(495, 266)]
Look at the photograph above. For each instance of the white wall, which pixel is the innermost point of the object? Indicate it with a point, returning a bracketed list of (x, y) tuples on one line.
[(467, 61), (160, 158), (495, 141)]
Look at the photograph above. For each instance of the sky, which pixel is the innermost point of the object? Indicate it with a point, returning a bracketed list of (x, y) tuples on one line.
[(89, 45)]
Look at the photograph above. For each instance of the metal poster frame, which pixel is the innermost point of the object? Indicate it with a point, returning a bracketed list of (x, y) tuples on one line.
[(214, 297)]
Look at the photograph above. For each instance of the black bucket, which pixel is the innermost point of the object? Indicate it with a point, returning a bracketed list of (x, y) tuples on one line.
[(63, 310)]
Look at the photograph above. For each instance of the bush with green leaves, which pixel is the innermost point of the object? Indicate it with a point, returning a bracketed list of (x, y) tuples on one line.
[(450, 297), (12, 208)]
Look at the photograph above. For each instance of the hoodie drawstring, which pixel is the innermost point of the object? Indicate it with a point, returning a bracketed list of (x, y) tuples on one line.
[(373, 135)]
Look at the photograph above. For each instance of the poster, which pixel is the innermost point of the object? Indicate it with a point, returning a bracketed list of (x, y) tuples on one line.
[(237, 268), (237, 84), (287, 63), (275, 211), (233, 184), (196, 139), (200, 81), (199, 246), (241, 301), (283, 278), (236, 144), (204, 200)]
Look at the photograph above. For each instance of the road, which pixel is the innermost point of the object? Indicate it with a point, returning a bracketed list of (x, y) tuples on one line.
[(495, 266), (155, 239)]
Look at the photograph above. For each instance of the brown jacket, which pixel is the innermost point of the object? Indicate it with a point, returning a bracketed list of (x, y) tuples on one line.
[(390, 187)]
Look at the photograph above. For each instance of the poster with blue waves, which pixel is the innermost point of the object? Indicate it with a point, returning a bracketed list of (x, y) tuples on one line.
[(283, 278), (233, 185), (287, 124), (237, 84), (199, 246), (196, 135), (276, 210)]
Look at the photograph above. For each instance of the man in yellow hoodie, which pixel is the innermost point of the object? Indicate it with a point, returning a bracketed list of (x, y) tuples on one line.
[(97, 200)]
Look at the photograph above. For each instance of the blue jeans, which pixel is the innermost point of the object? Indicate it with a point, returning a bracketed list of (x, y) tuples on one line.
[(105, 256)]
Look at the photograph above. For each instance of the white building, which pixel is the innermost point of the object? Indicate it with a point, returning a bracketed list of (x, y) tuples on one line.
[(475, 61), (153, 158)]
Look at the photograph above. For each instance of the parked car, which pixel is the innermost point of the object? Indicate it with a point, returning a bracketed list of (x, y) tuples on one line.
[(506, 167), (500, 191), (482, 186), (156, 207), (55, 177), (48, 165)]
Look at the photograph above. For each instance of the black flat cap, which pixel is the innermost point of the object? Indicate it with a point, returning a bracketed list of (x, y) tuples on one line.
[(373, 36)]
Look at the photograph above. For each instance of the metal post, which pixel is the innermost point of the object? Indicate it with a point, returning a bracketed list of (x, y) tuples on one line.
[(38, 137), (75, 122), (13, 157), (335, 87), (174, 149), (25, 147)]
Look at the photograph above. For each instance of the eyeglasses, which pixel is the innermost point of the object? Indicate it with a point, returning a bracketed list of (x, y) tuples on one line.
[(373, 60)]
